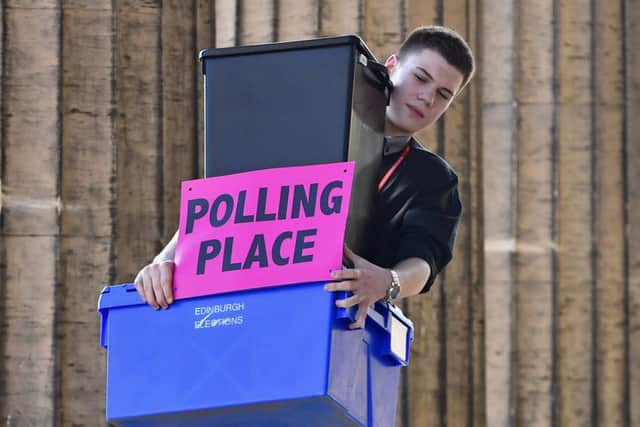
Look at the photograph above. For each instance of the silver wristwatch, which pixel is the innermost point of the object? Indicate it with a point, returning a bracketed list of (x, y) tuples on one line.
[(394, 287)]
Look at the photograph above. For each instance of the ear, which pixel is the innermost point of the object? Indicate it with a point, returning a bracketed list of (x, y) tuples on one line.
[(390, 63)]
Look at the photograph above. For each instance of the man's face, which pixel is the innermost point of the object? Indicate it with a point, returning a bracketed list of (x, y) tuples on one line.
[(424, 86)]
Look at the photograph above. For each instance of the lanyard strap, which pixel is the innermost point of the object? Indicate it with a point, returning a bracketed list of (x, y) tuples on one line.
[(393, 168)]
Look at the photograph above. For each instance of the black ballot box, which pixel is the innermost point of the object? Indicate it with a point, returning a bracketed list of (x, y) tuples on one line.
[(298, 103)]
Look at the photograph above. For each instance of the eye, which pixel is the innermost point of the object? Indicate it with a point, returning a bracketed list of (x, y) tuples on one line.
[(443, 95), (420, 77)]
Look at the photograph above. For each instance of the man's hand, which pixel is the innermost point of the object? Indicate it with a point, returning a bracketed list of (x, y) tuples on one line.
[(366, 281), (154, 284)]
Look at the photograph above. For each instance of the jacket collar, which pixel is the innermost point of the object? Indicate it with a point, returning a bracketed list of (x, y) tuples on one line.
[(394, 144)]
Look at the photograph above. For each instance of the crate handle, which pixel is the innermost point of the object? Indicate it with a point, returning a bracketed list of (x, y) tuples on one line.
[(374, 313)]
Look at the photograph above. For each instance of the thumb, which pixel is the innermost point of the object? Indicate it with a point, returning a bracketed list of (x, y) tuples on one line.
[(356, 259), (348, 252)]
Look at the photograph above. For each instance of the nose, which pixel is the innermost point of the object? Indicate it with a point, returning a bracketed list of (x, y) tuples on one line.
[(427, 94)]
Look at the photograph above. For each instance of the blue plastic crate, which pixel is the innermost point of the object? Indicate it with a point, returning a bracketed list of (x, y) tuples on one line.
[(281, 356)]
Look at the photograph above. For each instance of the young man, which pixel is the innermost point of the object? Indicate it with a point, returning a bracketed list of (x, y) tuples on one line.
[(418, 207)]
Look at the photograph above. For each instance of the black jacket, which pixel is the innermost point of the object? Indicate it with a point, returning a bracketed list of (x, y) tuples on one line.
[(417, 212)]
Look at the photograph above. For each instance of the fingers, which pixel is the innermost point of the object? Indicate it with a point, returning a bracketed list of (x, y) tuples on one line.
[(354, 280), (345, 285), (166, 281), (353, 300), (349, 302), (145, 288), (139, 286), (361, 316), (154, 284), (347, 274), (155, 289)]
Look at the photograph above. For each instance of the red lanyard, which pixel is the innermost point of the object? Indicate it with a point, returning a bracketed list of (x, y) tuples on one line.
[(393, 168)]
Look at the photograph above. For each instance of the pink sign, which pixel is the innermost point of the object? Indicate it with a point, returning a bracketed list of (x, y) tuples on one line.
[(270, 227)]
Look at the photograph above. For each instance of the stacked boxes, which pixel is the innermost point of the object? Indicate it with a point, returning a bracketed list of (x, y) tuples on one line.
[(279, 356)]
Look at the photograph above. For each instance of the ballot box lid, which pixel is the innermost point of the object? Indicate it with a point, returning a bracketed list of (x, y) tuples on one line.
[(289, 45)]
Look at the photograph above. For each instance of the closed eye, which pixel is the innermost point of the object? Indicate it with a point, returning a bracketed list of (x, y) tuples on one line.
[(443, 95)]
